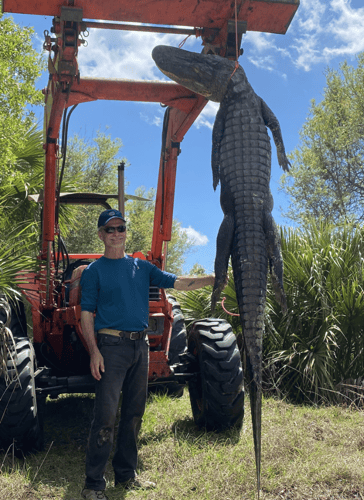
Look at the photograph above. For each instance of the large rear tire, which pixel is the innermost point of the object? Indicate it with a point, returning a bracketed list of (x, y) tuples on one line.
[(177, 346), (20, 422), (217, 391)]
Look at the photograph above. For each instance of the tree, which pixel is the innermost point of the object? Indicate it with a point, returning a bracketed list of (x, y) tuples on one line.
[(92, 166), (327, 176), (197, 270), (20, 66), (140, 217)]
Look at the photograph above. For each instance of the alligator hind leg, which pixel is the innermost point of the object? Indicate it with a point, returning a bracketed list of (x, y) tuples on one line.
[(273, 243), (223, 250)]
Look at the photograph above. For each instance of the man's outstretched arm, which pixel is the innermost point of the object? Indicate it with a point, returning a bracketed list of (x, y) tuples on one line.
[(186, 283)]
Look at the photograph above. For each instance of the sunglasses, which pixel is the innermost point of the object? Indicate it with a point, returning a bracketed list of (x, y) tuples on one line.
[(112, 229)]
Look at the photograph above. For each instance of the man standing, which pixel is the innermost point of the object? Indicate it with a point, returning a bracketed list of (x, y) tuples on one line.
[(116, 286)]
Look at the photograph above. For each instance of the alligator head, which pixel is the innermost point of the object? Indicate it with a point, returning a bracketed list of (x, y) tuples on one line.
[(208, 75)]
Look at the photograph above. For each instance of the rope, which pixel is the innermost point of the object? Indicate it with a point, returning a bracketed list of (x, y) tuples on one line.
[(227, 312), (183, 41), (236, 43)]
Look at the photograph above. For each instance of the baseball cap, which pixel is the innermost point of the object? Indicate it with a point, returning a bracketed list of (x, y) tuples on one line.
[(108, 215)]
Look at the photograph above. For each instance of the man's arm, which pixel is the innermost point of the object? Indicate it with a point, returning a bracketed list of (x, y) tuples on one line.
[(186, 283), (96, 359)]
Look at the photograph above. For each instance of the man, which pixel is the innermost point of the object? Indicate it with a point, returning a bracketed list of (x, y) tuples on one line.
[(116, 286)]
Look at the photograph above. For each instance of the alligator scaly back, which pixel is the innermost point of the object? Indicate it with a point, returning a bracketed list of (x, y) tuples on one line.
[(241, 163)]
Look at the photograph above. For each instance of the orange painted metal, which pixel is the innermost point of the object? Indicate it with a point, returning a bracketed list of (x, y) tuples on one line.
[(49, 197), (170, 94), (210, 19), (261, 15), (178, 125), (158, 365)]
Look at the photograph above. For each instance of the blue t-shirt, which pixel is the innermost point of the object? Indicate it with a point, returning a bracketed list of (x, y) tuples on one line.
[(118, 289)]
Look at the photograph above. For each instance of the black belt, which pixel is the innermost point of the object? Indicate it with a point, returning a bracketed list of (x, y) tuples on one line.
[(123, 333)]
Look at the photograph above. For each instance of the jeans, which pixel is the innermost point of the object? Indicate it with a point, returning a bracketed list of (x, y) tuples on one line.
[(126, 369)]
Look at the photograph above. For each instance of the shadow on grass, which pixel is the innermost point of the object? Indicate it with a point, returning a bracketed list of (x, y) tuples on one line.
[(186, 430)]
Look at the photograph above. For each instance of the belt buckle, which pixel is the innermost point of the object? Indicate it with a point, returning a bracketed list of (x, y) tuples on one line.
[(134, 335)]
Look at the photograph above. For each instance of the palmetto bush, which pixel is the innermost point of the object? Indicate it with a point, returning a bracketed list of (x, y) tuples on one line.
[(20, 216), (320, 342)]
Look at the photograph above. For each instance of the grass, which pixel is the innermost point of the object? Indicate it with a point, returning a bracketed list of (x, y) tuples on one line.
[(307, 453)]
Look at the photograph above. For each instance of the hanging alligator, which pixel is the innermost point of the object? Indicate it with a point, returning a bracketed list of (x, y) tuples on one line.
[(241, 162)]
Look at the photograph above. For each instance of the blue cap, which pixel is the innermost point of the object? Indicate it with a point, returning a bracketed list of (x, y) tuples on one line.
[(108, 215)]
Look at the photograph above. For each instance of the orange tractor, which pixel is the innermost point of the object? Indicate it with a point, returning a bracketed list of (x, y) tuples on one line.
[(56, 361)]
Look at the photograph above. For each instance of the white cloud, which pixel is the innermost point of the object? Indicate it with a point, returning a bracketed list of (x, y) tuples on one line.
[(122, 54), (152, 119), (207, 116), (194, 236), (320, 31)]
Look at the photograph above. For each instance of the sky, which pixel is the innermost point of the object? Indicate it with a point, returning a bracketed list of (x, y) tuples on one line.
[(287, 71)]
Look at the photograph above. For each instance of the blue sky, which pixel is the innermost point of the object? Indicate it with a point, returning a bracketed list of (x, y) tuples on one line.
[(287, 71)]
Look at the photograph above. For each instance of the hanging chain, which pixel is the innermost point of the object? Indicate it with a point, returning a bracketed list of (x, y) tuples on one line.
[(8, 370)]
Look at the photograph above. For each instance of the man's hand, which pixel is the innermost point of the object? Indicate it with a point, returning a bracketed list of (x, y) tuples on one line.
[(185, 283), (97, 361), (97, 364)]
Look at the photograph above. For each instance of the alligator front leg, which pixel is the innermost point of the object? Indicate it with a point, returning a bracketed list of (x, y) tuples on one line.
[(217, 134), (271, 121)]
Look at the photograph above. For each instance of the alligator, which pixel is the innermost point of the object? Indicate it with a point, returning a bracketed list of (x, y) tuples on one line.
[(241, 162)]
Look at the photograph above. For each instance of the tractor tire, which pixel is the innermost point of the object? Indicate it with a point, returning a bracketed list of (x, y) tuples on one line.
[(20, 422), (217, 391), (177, 346)]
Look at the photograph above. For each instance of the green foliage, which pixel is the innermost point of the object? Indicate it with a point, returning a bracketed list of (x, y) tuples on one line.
[(197, 270), (320, 342), (196, 304), (15, 256), (140, 219), (20, 66), (94, 163), (21, 152), (20, 217), (92, 167), (327, 178), (25, 179)]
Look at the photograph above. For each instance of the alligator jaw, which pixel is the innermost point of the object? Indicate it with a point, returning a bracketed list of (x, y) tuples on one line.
[(208, 75)]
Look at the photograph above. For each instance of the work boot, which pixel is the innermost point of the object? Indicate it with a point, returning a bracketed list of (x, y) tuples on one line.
[(93, 494), (135, 483)]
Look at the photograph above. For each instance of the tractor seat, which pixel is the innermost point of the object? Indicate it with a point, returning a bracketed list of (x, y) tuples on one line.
[(75, 289)]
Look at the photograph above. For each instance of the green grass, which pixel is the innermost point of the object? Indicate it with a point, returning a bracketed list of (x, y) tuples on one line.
[(307, 453)]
